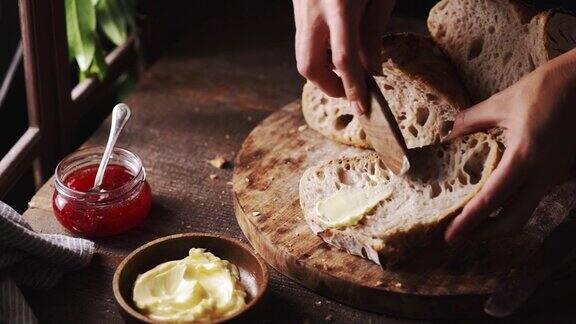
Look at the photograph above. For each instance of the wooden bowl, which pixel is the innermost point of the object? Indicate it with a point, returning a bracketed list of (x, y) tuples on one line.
[(252, 269)]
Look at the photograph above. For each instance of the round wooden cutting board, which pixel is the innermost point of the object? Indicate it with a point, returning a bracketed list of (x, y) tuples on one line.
[(440, 282)]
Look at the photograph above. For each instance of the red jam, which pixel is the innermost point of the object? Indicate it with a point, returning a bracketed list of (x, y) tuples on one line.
[(123, 202), (115, 177)]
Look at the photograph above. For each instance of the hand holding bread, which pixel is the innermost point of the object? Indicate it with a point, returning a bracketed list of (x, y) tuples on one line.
[(537, 115), (502, 45)]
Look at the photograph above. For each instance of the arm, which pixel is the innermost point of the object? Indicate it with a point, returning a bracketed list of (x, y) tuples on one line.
[(538, 115), (340, 35)]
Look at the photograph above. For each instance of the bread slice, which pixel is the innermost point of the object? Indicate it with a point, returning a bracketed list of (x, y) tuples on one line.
[(493, 43), (443, 178), (420, 85)]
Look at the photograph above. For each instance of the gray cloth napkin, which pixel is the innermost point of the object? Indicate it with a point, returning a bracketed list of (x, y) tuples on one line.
[(34, 260)]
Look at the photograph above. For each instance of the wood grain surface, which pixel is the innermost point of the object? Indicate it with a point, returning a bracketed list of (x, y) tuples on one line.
[(201, 100), (440, 282)]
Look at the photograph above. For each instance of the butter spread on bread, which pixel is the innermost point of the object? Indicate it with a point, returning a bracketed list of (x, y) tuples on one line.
[(347, 206)]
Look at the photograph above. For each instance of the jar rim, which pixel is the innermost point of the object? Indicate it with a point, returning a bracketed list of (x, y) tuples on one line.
[(139, 176)]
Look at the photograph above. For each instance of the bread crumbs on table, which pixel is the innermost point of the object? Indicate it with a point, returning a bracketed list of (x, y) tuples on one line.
[(213, 176), (247, 180), (256, 213), (218, 162), (302, 128)]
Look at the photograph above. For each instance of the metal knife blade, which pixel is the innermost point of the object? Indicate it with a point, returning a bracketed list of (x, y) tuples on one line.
[(520, 284), (382, 131)]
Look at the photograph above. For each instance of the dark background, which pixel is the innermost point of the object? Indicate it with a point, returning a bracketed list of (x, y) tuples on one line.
[(161, 23)]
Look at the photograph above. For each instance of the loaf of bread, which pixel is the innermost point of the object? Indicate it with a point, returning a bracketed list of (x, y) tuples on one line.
[(493, 43), (420, 85), (416, 205)]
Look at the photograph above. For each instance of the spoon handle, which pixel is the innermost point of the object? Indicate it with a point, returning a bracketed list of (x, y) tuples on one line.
[(120, 116)]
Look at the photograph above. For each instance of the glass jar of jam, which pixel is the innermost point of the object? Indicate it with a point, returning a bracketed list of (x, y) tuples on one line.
[(122, 203)]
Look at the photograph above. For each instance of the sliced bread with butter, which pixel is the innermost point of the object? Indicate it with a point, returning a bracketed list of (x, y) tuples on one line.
[(493, 43), (358, 205), (420, 85)]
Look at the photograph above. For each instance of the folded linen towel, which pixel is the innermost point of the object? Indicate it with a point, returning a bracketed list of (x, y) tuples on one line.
[(33, 259)]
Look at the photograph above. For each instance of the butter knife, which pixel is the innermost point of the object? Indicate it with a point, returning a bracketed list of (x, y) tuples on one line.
[(382, 131)]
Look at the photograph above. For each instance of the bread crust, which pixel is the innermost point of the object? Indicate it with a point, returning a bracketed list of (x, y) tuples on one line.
[(494, 43)]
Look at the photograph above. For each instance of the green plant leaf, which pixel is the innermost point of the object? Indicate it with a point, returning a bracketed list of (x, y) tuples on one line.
[(98, 66), (81, 29), (99, 63), (113, 21)]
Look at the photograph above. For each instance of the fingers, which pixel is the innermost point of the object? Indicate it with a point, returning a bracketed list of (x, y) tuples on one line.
[(515, 214), (312, 44), (313, 64), (484, 115), (372, 28), (504, 180), (345, 45)]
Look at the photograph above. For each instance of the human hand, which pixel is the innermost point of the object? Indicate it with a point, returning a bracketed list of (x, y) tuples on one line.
[(538, 115), (341, 35)]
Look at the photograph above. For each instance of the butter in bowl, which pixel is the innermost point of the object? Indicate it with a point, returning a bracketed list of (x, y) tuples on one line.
[(189, 278)]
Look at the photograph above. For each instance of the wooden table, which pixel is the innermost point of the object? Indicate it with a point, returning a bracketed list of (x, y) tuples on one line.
[(199, 101)]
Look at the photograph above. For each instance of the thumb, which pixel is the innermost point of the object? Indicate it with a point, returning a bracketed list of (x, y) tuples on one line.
[(481, 116)]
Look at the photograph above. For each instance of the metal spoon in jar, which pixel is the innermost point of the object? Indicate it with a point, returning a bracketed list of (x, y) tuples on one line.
[(120, 116)]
